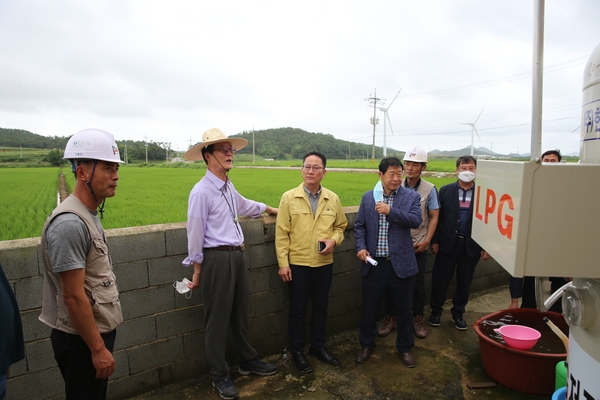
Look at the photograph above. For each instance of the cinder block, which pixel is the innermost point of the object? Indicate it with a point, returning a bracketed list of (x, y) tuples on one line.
[(344, 303), (133, 244), (345, 322), (39, 355), (271, 348), (253, 229), (168, 270), (183, 369), (121, 363), (348, 244), (176, 239), (259, 280), (152, 300), (37, 385), (193, 344), (19, 258), (155, 354), (261, 255), (20, 367), (33, 329), (268, 302), (130, 276), (180, 321), (260, 328), (269, 227), (347, 282), (275, 279), (351, 213), (136, 331), (345, 262), (195, 299), (131, 385), (28, 292)]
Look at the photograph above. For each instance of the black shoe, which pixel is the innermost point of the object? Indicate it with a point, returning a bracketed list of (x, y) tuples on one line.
[(226, 389), (257, 366), (459, 323), (323, 355), (301, 363), (434, 318)]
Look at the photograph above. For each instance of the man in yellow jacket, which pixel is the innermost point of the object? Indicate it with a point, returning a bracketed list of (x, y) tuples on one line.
[(310, 223)]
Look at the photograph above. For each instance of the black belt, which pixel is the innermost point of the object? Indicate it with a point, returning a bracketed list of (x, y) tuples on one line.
[(383, 258), (462, 237), (225, 248)]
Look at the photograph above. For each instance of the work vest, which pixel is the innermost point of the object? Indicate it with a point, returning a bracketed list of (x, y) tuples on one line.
[(424, 190), (100, 284)]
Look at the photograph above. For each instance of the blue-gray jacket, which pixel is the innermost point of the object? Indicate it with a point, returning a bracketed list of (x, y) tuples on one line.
[(405, 215)]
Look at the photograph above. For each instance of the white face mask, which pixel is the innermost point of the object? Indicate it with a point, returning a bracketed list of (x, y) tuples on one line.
[(182, 287), (466, 176)]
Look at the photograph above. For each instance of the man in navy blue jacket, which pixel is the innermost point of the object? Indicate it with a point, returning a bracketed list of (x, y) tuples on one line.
[(453, 246), (382, 231)]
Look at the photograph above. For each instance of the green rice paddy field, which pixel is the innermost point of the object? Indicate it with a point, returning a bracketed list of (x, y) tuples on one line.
[(147, 196)]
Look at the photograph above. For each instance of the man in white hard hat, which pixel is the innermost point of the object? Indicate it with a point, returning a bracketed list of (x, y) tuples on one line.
[(80, 297), (216, 250), (415, 162)]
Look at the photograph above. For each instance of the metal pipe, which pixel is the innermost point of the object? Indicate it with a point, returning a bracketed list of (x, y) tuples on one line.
[(538, 79)]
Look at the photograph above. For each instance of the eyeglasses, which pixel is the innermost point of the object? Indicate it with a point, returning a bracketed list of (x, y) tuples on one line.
[(226, 149), (392, 175), (313, 167)]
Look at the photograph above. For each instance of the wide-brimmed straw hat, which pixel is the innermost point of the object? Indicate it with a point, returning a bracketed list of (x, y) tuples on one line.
[(212, 136)]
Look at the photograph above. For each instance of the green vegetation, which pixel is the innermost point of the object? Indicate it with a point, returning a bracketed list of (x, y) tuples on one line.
[(155, 195), (28, 196)]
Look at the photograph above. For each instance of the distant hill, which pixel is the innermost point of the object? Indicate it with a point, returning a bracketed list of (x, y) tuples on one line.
[(283, 143), (280, 143), (22, 138)]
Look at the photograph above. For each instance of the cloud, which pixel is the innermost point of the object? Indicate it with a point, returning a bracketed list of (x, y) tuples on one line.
[(167, 71)]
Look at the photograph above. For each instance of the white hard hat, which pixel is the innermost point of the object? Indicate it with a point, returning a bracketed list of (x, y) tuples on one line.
[(92, 144), (416, 154)]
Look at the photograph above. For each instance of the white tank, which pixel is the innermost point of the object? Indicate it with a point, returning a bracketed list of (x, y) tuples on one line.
[(589, 151)]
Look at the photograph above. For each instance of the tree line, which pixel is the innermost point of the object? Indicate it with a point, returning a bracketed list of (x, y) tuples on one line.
[(279, 144)]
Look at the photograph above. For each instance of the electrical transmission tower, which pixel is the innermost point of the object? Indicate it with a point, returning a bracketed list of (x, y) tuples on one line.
[(374, 120)]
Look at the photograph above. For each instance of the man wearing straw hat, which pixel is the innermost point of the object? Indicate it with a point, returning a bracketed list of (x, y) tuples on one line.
[(216, 250)]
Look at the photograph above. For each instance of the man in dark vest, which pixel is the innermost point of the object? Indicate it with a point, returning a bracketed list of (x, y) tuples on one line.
[(81, 301)]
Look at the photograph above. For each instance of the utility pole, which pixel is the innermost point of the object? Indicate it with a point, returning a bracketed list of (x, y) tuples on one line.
[(253, 162), (146, 149), (374, 121)]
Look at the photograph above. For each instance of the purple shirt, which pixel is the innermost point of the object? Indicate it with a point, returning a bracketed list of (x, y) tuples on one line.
[(213, 208)]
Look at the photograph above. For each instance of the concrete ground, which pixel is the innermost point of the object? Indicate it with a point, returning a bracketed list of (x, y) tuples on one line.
[(448, 360)]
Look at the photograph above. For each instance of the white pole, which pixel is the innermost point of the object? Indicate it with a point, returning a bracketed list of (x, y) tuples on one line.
[(538, 78)]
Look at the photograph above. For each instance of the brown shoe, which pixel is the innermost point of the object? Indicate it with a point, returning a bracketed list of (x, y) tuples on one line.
[(408, 360), (419, 327), (363, 355), (387, 326)]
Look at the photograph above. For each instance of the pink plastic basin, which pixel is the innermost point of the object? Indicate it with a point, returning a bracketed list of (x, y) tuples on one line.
[(519, 336)]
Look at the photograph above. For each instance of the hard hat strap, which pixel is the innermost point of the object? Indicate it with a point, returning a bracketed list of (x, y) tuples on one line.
[(88, 183)]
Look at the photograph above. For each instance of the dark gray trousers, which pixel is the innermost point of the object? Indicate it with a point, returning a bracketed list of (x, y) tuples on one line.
[(224, 282)]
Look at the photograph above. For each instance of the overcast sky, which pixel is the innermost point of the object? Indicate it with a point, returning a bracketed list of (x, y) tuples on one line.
[(169, 70)]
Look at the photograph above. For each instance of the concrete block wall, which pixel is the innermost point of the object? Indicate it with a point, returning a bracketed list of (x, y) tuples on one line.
[(162, 338)]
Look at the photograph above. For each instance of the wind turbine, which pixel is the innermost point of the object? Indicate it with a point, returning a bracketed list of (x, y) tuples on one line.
[(473, 129), (387, 118)]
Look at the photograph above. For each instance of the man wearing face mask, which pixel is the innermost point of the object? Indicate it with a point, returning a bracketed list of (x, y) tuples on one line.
[(453, 246)]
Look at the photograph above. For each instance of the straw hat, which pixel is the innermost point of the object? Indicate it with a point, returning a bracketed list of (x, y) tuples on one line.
[(212, 136)]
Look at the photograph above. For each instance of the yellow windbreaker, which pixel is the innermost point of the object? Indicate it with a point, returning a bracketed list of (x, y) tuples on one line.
[(297, 231)]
